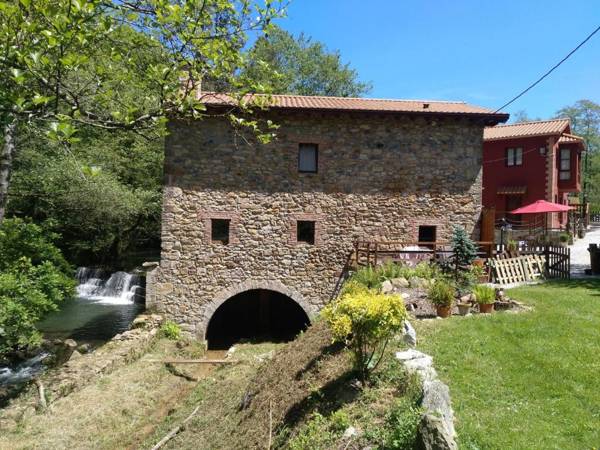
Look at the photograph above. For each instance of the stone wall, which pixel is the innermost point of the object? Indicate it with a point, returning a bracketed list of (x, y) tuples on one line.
[(379, 177)]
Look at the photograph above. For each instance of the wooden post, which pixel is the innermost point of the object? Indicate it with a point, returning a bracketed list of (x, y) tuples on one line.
[(375, 259)]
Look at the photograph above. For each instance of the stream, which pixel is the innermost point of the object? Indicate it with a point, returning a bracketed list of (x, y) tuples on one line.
[(105, 305)]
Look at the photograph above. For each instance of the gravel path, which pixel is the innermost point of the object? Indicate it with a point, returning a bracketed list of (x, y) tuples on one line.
[(580, 257)]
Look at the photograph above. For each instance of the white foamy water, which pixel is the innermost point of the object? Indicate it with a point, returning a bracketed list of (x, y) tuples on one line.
[(24, 371), (119, 289)]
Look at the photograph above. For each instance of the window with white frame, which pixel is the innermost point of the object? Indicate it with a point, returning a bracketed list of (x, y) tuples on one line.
[(565, 164), (514, 156)]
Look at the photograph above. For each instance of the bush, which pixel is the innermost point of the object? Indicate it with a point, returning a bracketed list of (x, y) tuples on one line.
[(368, 277), (316, 435), (426, 270), (442, 293), (170, 330), (484, 295), (389, 271), (34, 280), (365, 321), (402, 423), (372, 277)]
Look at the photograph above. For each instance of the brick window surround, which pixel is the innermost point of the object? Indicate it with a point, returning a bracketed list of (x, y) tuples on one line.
[(319, 228), (234, 220)]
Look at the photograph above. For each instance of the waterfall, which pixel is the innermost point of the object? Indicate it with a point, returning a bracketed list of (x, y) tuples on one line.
[(118, 288)]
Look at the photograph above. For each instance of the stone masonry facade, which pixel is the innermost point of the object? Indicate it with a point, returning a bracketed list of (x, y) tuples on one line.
[(380, 176)]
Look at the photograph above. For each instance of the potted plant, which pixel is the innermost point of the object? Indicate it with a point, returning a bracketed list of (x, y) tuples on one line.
[(480, 274), (442, 294), (564, 238), (464, 305), (485, 296)]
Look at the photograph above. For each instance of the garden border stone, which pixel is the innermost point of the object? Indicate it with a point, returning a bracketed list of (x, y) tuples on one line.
[(436, 429)]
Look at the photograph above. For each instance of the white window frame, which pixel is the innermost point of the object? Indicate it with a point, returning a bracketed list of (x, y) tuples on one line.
[(514, 156), (564, 164)]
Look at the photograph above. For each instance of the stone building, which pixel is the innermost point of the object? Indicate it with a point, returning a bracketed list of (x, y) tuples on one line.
[(258, 235)]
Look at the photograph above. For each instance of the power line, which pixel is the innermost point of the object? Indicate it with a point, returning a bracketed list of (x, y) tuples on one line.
[(550, 71)]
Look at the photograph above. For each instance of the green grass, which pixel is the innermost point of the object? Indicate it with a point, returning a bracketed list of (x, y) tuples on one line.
[(529, 380)]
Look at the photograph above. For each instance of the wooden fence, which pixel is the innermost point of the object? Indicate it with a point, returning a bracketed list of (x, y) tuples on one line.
[(557, 260), (516, 269), (371, 253)]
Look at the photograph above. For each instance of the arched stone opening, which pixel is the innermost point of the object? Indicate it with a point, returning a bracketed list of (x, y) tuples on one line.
[(255, 314)]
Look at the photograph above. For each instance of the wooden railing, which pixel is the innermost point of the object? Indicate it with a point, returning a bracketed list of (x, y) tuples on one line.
[(371, 253), (374, 252)]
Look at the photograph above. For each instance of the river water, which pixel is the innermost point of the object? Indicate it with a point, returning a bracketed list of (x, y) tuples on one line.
[(105, 305)]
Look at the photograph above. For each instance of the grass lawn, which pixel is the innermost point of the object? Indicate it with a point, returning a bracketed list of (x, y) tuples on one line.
[(529, 380)]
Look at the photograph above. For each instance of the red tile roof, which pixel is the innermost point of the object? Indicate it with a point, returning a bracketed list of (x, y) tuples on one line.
[(567, 138), (554, 127), (318, 103), (526, 129)]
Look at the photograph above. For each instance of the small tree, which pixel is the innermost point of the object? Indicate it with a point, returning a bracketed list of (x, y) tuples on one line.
[(464, 252), (463, 248), (365, 321)]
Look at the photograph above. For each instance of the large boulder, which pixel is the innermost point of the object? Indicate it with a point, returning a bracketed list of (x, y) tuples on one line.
[(64, 351), (400, 282), (436, 400), (432, 434), (387, 287), (418, 283), (419, 363), (409, 335)]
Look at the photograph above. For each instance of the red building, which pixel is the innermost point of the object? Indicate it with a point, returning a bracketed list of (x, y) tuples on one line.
[(530, 161)]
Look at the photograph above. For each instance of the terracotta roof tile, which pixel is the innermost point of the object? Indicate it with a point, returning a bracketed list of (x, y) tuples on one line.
[(300, 102), (567, 138), (526, 129)]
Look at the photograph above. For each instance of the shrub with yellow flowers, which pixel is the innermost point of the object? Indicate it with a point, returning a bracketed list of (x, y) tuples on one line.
[(365, 320)]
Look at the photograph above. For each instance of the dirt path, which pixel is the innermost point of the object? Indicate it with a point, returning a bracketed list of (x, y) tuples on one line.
[(117, 411)]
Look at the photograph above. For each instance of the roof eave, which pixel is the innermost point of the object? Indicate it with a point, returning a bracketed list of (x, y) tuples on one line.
[(493, 118)]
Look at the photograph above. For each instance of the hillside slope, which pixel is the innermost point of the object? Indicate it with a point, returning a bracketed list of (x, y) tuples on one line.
[(304, 396)]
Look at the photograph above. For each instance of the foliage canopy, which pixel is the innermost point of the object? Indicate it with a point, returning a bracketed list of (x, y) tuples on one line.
[(298, 65), (34, 280)]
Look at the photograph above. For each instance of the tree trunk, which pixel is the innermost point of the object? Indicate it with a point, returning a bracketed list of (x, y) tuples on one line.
[(6, 158)]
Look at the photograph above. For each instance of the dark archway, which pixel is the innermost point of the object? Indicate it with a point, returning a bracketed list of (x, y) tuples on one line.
[(257, 314)]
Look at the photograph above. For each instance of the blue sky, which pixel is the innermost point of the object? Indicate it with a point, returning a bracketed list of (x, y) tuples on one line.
[(482, 52)]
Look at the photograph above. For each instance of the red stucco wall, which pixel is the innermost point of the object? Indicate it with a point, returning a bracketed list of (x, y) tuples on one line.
[(532, 174)]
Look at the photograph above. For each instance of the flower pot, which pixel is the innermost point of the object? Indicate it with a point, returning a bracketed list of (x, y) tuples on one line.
[(479, 262), (444, 311), (464, 308), (486, 309)]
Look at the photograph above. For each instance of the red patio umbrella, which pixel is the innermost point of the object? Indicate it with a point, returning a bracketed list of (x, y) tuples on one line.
[(541, 206)]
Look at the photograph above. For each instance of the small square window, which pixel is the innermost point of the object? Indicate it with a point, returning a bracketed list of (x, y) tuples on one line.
[(219, 230), (305, 231), (308, 156), (427, 233)]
